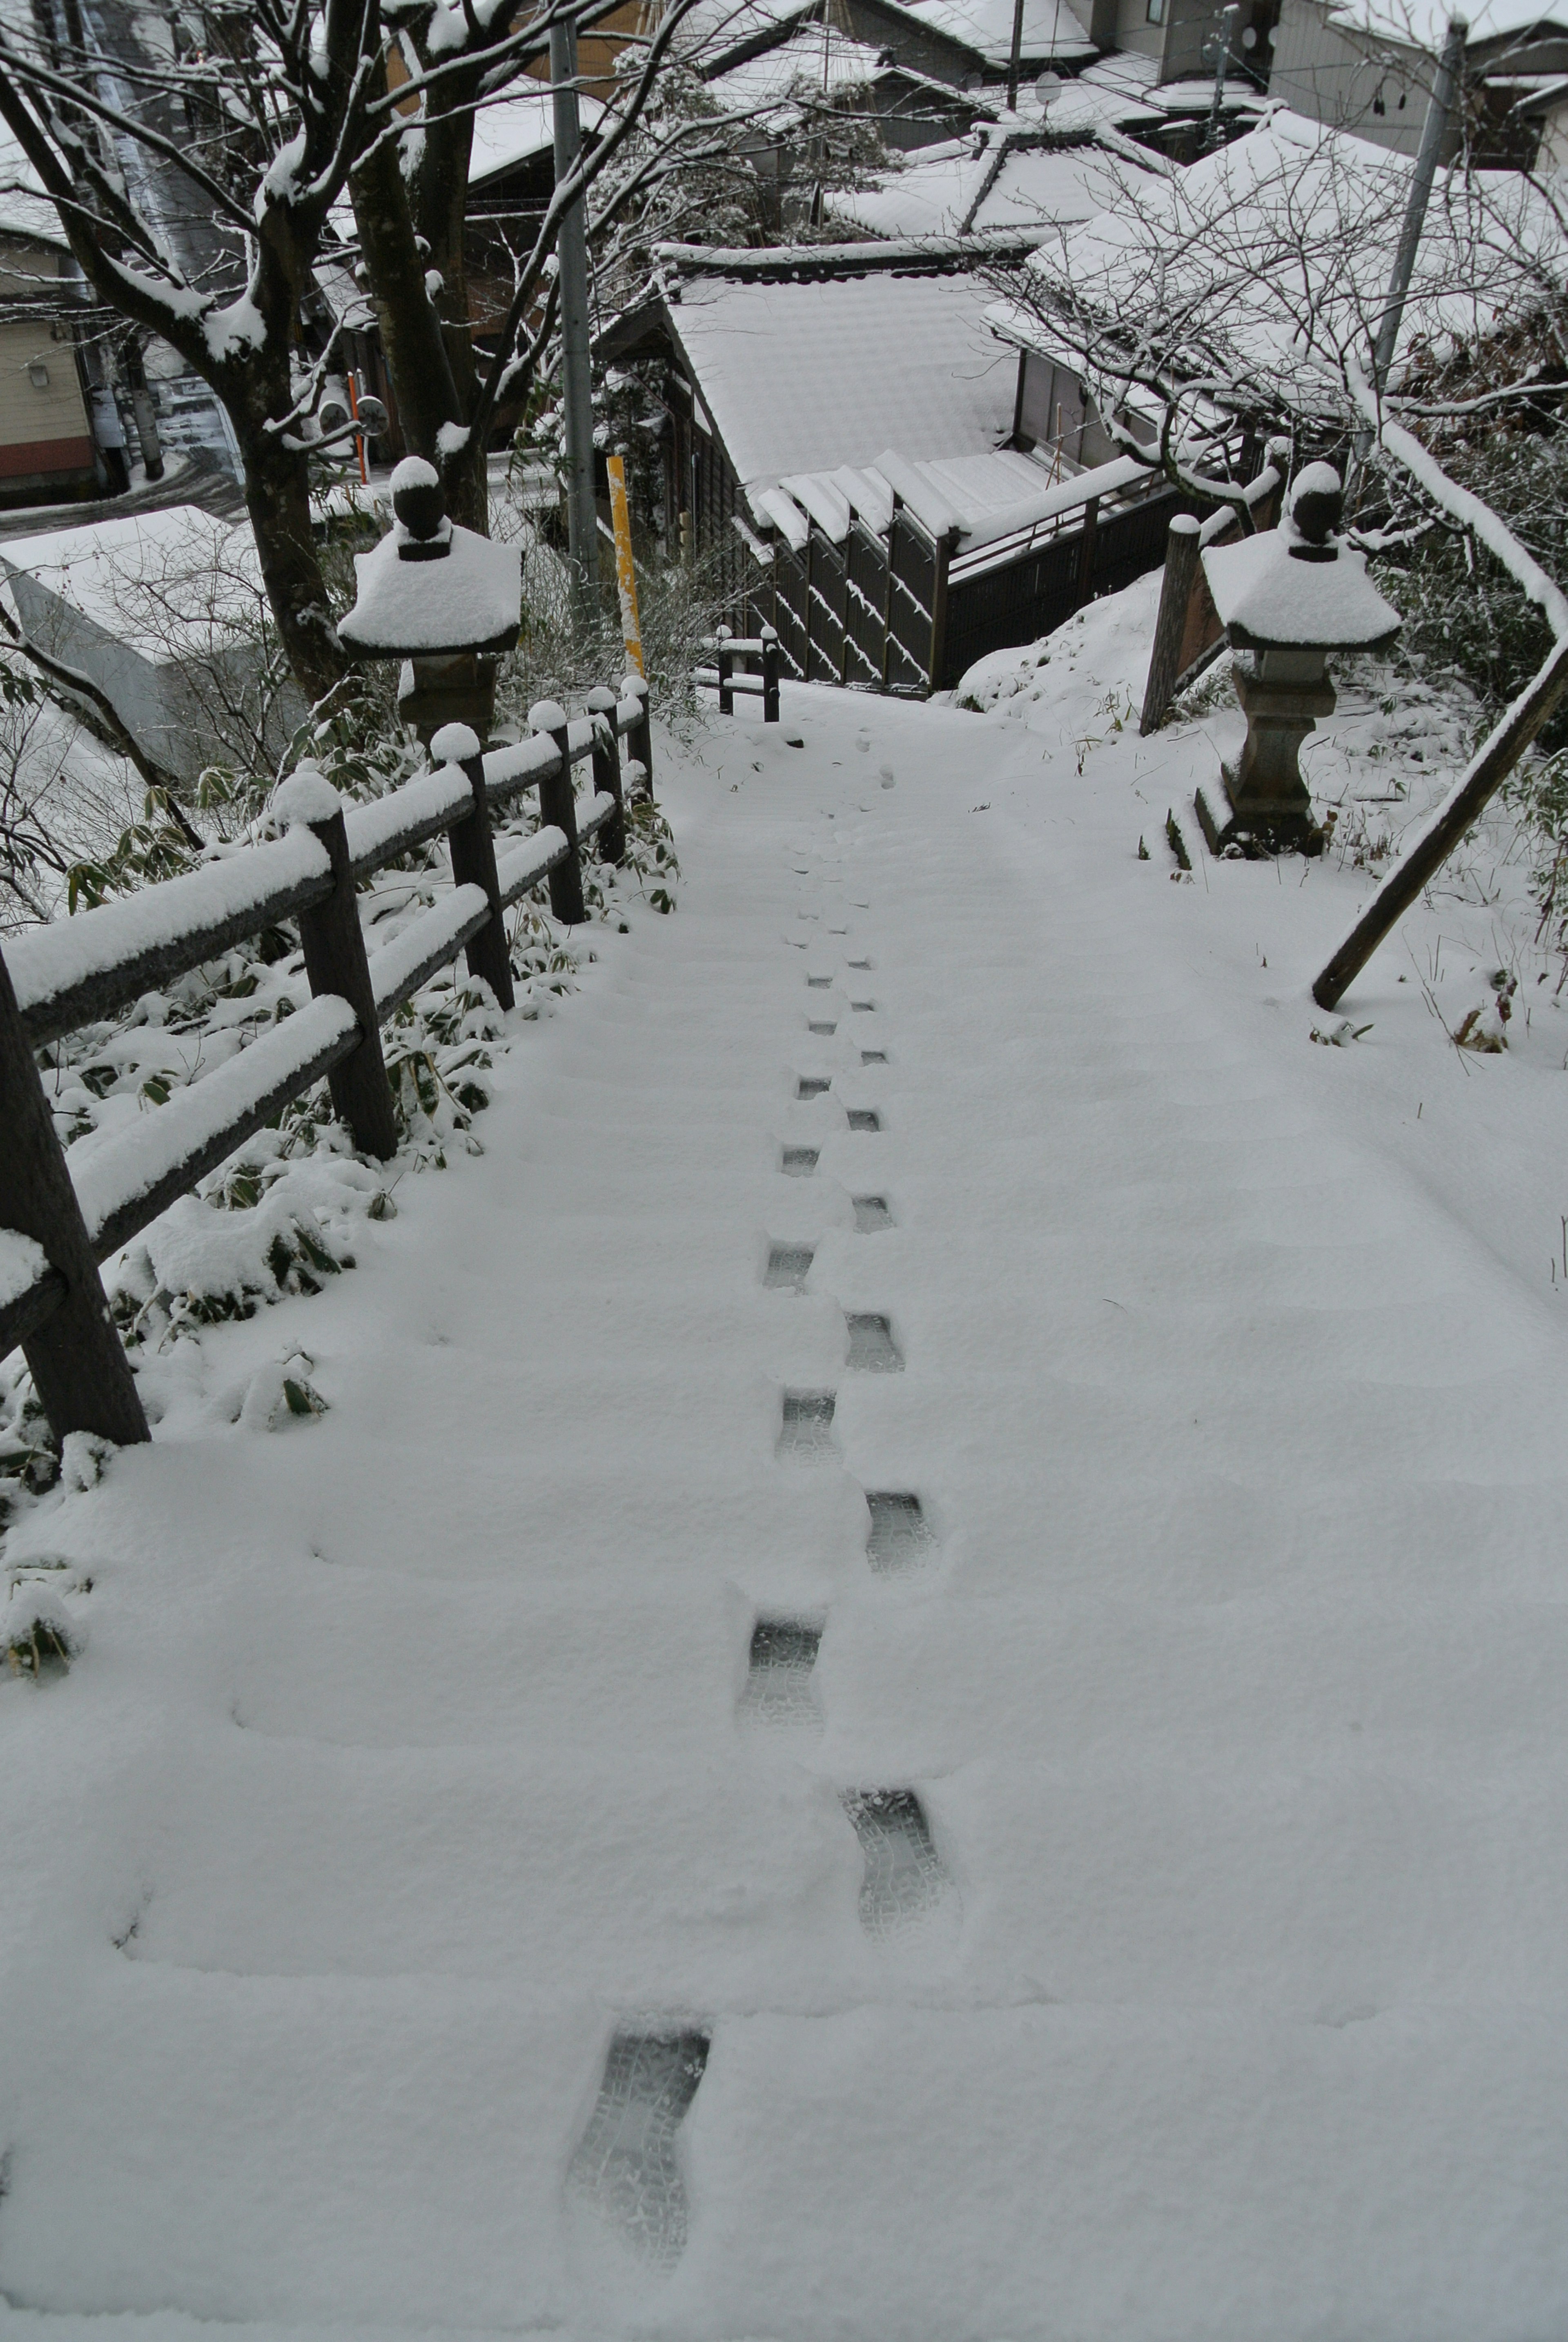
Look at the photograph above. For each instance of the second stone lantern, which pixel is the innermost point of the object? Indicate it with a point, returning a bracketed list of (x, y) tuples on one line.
[(444, 600), (1287, 597)]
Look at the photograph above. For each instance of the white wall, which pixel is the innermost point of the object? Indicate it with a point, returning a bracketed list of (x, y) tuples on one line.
[(1321, 72)]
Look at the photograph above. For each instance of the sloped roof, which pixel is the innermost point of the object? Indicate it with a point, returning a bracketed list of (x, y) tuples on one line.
[(818, 58), (802, 378), (1228, 237), (961, 186), (516, 127), (1050, 27)]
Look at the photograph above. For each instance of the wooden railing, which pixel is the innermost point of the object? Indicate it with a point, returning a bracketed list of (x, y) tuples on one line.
[(726, 678), (56, 1229)]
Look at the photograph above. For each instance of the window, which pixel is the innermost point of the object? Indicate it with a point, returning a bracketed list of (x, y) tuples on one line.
[(1156, 12)]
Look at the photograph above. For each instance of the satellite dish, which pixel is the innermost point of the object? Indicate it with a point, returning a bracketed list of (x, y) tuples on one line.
[(1048, 89), (972, 82), (1250, 38)]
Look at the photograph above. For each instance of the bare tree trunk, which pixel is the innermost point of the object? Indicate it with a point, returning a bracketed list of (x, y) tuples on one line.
[(277, 498)]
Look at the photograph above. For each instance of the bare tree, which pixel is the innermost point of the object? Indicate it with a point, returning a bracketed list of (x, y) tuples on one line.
[(259, 132)]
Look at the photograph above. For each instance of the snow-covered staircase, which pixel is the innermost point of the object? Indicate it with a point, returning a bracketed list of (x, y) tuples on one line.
[(539, 1848)]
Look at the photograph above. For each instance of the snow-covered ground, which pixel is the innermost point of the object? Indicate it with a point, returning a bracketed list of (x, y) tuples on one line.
[(533, 1848)]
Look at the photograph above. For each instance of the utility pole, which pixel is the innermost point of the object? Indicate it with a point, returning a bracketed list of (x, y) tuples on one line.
[(576, 380), (1222, 41), (1449, 71), (1013, 61)]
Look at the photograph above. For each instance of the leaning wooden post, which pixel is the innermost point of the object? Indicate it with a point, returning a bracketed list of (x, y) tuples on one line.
[(334, 961), (473, 849), (640, 735), (770, 643), (558, 808), (726, 674), (600, 704), (1488, 770), (1171, 625), (78, 1361)]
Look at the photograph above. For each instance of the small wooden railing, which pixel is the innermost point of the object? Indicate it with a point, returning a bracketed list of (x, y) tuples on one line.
[(56, 1229), (726, 678)]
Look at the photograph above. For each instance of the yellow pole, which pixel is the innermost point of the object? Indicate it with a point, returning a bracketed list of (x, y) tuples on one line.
[(626, 576)]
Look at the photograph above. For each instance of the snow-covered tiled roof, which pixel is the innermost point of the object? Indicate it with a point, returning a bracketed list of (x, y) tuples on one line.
[(1423, 24), (1232, 227), (818, 59), (962, 184), (982, 498), (802, 377), (1050, 27), (512, 129)]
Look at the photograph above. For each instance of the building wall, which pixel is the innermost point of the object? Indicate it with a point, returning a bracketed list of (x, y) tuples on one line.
[(1133, 31), (1553, 150), (46, 438), (1324, 73)]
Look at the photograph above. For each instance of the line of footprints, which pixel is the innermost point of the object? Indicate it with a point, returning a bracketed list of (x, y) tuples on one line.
[(627, 2167)]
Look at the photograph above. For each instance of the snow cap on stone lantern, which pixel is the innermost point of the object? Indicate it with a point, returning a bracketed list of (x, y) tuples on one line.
[(1300, 587), (1287, 596), (431, 589)]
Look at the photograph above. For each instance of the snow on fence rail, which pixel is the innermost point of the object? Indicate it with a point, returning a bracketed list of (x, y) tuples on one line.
[(726, 678), (56, 1228)]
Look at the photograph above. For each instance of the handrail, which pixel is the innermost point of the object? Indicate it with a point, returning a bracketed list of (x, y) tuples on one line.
[(59, 1218)]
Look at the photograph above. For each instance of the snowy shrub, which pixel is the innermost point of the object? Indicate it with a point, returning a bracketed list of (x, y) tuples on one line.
[(38, 1637), (1461, 610)]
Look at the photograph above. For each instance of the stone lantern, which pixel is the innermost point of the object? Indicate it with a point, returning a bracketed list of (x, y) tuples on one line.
[(1288, 595), (444, 600)]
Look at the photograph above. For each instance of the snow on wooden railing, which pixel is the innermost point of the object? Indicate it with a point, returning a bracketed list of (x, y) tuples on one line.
[(57, 1222), (726, 678)]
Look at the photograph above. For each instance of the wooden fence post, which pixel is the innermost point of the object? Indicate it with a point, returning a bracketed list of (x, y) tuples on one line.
[(770, 643), (78, 1361), (938, 651), (472, 844), (334, 961), (600, 704), (726, 670), (558, 808), (1086, 551), (1171, 625), (640, 733)]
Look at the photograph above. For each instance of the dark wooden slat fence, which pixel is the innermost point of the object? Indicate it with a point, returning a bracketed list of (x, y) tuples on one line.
[(86, 969)]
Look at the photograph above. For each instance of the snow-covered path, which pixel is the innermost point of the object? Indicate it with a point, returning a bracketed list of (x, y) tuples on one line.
[(1144, 1916)]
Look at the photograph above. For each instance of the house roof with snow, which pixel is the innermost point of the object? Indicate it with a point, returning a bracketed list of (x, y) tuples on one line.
[(863, 354), (817, 59), (976, 500), (1226, 239), (1423, 24), (26, 210), (517, 128), (1050, 28), (993, 182), (166, 583)]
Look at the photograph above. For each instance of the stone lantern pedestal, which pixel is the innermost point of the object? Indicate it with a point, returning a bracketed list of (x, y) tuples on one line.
[(1288, 597)]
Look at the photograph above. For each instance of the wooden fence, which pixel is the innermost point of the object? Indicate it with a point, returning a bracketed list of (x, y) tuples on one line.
[(908, 611), (54, 1230), (726, 678)]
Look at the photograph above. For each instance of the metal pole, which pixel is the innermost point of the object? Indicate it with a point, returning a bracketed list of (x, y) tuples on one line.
[(1222, 61), (1017, 53), (576, 380), (1450, 67)]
